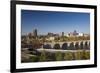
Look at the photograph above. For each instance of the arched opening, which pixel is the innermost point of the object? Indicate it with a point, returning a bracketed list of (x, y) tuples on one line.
[(77, 45), (89, 45), (86, 45), (71, 47), (56, 46), (81, 45), (65, 46), (47, 46)]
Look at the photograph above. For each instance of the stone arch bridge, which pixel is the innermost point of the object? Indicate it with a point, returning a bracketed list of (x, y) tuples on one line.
[(72, 45)]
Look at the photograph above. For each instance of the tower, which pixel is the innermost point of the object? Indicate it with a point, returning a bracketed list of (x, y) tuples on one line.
[(62, 34), (35, 32)]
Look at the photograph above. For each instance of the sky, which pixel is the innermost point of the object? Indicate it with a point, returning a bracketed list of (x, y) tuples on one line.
[(55, 22)]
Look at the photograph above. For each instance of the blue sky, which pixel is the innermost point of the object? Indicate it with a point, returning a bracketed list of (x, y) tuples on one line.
[(55, 22)]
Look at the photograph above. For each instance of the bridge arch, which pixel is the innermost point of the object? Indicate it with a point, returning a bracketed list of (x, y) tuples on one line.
[(65, 46), (81, 45), (86, 45), (56, 46), (68, 45), (47, 46), (77, 45), (71, 46)]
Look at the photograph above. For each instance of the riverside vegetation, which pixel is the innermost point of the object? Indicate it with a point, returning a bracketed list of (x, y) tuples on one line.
[(58, 56)]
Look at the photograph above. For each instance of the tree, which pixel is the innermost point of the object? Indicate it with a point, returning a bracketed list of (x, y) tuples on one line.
[(68, 56), (36, 44), (30, 47), (58, 56), (34, 58), (82, 55), (43, 56), (85, 54), (78, 55)]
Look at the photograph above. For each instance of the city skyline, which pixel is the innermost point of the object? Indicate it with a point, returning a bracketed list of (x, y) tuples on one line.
[(54, 22)]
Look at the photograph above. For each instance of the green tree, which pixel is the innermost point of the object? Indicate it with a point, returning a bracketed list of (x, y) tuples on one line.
[(43, 56), (68, 56), (78, 55), (34, 58), (58, 56), (85, 54)]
